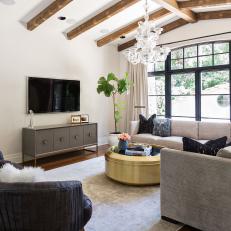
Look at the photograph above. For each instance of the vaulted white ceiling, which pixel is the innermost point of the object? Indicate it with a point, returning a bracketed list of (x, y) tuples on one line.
[(79, 10)]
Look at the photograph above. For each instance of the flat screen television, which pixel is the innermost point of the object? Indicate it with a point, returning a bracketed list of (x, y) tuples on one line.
[(53, 95)]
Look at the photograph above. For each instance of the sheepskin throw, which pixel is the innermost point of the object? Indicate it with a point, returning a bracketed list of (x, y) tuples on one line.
[(10, 174)]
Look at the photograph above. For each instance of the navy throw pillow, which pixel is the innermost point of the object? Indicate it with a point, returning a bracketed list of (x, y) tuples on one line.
[(210, 148), (1, 156), (146, 125)]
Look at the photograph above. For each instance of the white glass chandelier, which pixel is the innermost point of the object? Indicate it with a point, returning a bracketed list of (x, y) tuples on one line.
[(146, 50)]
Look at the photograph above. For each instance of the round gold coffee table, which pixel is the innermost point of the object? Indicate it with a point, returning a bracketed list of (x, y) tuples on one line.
[(133, 170)]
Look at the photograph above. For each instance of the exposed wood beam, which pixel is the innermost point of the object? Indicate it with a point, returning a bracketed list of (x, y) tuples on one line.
[(214, 15), (49, 11), (203, 3), (131, 27), (104, 15), (172, 5), (169, 27)]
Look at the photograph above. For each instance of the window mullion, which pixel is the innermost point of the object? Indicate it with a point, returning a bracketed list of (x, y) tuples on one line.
[(198, 95)]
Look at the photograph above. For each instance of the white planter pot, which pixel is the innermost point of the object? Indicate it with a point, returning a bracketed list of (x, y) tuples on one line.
[(113, 139)]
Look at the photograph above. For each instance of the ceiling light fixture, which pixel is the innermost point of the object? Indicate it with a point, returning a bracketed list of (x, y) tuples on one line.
[(146, 50), (62, 18)]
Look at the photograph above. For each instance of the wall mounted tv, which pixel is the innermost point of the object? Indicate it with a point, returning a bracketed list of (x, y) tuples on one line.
[(53, 95)]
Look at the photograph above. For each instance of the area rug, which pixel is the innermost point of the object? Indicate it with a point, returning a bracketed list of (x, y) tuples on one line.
[(116, 207)]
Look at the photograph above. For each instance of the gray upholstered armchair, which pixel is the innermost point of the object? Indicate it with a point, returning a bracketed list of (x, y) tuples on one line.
[(46, 206)]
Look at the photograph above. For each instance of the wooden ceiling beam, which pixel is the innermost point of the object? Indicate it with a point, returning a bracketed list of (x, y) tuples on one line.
[(49, 11), (167, 28), (104, 15), (172, 5), (214, 15), (201, 3), (131, 27)]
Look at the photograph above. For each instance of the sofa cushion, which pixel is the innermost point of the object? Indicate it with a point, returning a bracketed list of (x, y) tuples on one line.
[(211, 147), (144, 138), (184, 128), (173, 142), (210, 131), (225, 152), (161, 127), (146, 125)]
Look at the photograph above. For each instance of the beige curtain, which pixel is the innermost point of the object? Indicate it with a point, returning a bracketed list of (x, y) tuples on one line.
[(138, 93)]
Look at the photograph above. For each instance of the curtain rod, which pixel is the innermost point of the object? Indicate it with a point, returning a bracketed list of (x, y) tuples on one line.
[(185, 40)]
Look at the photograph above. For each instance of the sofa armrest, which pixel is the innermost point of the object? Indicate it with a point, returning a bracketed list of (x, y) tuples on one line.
[(196, 189), (134, 127)]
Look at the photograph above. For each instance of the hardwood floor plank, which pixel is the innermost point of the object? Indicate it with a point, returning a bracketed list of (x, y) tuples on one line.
[(61, 160)]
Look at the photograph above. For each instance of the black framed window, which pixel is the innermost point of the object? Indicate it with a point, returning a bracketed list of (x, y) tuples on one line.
[(196, 80)]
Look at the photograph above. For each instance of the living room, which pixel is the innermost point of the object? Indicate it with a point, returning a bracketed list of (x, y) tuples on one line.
[(115, 115)]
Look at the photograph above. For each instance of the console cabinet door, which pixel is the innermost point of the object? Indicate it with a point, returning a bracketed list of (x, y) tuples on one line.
[(61, 138), (44, 141), (76, 136), (90, 134)]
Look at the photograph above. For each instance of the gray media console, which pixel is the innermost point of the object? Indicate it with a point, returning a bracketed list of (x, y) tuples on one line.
[(38, 142)]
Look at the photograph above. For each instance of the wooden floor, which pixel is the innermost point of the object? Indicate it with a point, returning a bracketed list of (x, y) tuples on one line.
[(60, 160)]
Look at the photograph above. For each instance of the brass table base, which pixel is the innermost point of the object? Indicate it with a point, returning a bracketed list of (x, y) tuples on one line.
[(133, 170)]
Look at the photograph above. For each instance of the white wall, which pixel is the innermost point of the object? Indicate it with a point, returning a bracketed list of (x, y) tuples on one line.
[(46, 53)]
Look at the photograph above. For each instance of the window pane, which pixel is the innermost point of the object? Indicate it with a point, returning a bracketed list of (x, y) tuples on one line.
[(205, 61), (183, 106), (190, 51), (177, 64), (183, 84), (160, 66), (156, 85), (205, 49), (221, 59), (150, 67), (177, 54), (221, 48), (156, 105), (215, 106), (215, 82), (190, 63)]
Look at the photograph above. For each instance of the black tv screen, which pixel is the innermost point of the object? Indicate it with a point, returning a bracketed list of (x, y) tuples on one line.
[(53, 95)]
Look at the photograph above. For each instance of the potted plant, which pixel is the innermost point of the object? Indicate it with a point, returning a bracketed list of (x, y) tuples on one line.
[(112, 86)]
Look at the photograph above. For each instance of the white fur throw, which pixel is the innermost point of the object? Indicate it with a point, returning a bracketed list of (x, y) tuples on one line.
[(10, 174)]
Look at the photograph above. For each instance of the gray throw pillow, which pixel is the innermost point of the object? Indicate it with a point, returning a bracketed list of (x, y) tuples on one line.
[(162, 127)]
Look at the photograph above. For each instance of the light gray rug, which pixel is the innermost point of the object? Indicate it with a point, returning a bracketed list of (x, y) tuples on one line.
[(116, 207)]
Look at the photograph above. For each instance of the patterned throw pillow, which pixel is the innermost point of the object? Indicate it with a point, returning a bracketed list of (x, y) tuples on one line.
[(146, 125), (210, 148), (162, 127)]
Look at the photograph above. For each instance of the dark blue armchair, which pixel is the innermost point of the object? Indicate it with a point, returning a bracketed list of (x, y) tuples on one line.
[(45, 206)]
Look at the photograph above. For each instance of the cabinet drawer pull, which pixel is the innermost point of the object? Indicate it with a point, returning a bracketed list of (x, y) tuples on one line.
[(45, 142), (89, 134), (76, 137), (61, 139)]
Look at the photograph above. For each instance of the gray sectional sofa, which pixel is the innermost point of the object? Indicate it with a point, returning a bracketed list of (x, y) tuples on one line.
[(201, 131), (196, 189)]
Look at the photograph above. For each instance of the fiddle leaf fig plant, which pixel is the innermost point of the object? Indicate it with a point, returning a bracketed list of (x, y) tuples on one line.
[(112, 86)]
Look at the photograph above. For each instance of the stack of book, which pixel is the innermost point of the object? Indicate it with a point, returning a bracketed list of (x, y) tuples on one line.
[(139, 150)]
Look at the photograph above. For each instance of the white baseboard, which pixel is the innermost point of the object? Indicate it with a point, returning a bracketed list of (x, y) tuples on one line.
[(15, 158)]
